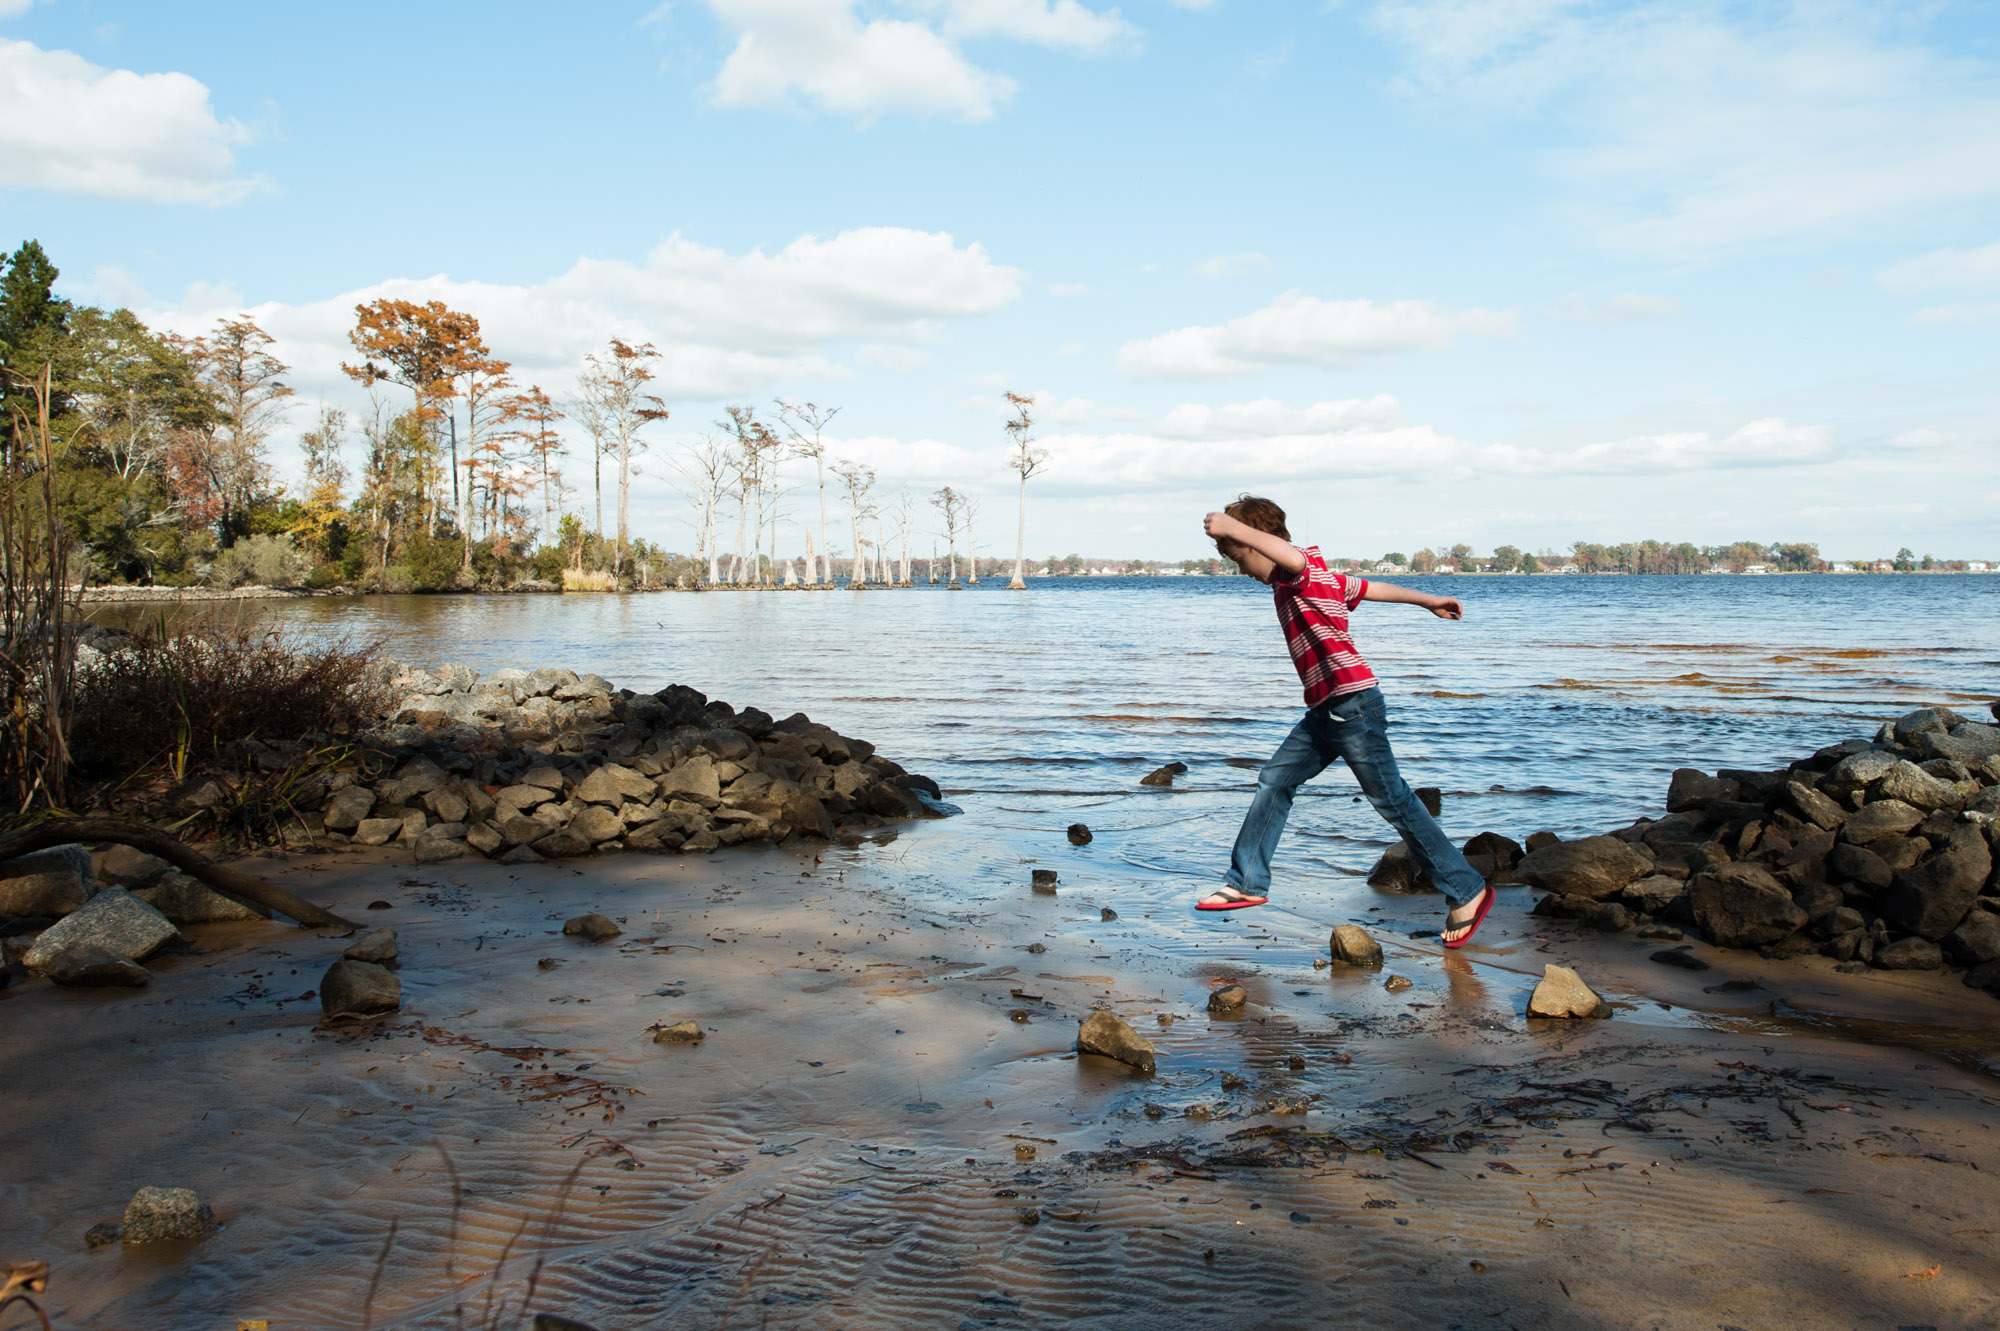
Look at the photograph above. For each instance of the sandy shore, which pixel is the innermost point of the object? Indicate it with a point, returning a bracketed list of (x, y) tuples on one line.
[(886, 1125)]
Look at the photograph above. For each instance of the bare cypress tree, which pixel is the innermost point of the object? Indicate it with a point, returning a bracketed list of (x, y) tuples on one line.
[(1026, 461), (806, 422)]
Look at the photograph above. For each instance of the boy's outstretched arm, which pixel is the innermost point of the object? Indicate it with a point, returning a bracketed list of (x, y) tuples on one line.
[(1277, 549), (1444, 607)]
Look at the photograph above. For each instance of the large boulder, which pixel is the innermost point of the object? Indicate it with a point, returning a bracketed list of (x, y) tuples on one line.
[(115, 920), (1925, 720), (1812, 806), (346, 808), (88, 966), (1742, 905), (1909, 954), (1970, 743), (1859, 865), (1111, 1036), (359, 989), (613, 784), (128, 866), (1930, 898), (1596, 867), (1975, 941), (1398, 871), (1690, 789), (185, 899), (1917, 788), (47, 882), (1857, 771), (696, 777), (597, 823), (1879, 821)]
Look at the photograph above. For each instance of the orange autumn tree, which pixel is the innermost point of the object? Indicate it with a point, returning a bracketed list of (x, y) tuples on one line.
[(422, 348)]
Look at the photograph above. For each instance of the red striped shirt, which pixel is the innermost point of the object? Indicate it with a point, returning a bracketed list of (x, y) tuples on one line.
[(1313, 605)]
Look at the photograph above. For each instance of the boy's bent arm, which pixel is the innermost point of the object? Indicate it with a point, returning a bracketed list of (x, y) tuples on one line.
[(1444, 607), (1274, 548)]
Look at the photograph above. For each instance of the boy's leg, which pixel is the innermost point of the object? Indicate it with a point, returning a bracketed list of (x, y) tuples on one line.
[(1364, 743), (1298, 760)]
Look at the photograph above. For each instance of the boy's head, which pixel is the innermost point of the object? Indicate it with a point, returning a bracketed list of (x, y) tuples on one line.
[(1263, 515)]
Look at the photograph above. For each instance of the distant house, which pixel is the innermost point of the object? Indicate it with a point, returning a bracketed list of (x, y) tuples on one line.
[(1884, 566), (1567, 568), (1386, 567), (1844, 567), (1445, 568), (1977, 566), (1756, 570)]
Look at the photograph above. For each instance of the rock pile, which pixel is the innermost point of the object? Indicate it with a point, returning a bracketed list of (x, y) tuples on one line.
[(523, 765), (1879, 853)]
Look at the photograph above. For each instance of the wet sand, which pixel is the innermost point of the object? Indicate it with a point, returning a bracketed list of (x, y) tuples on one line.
[(886, 1125)]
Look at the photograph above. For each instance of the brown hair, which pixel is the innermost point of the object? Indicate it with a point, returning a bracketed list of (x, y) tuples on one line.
[(1262, 514)]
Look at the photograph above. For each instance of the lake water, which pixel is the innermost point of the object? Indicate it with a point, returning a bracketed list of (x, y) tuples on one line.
[(1556, 702)]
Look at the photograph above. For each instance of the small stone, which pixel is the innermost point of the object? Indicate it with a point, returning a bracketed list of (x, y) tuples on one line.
[(346, 808), (1109, 1035), (1106, 914), (1037, 948), (102, 1235), (158, 1214), (1432, 799), (1229, 998), (1664, 933), (592, 928), (598, 823), (1351, 945), (1396, 984), (1853, 968), (1079, 835), (1042, 880), (1673, 956), (358, 989), (377, 831), (1563, 994), (1163, 776), (88, 966), (681, 1032), (377, 946), (543, 776)]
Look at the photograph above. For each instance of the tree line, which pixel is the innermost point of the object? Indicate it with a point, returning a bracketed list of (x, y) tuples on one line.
[(466, 477)]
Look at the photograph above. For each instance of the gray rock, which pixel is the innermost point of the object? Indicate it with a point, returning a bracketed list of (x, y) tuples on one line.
[(1594, 867), (523, 797), (156, 1215), (377, 946), (432, 848), (1970, 743), (519, 831), (585, 686), (1910, 954), (1351, 945), (1653, 894), (483, 838), (1742, 905), (1397, 871), (700, 843), (695, 777), (593, 928), (457, 678), (124, 866), (1901, 852), (1163, 776), (1878, 821), (1563, 994), (449, 805), (663, 834), (1608, 917), (114, 919), (680, 1032), (1109, 1036), (1857, 772), (1838, 922), (185, 899), (346, 808), (358, 989), (55, 881), (1925, 720), (1691, 789), (519, 855), (1229, 998), (1817, 899), (1931, 897), (1858, 865), (561, 844), (1976, 940), (1396, 984), (1917, 788), (544, 777), (89, 966), (377, 831), (613, 784), (598, 823), (1812, 806), (414, 822)]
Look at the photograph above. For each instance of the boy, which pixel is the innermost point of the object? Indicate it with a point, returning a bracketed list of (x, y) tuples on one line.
[(1345, 716)]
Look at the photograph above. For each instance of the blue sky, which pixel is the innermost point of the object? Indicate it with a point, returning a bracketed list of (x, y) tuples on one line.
[(1525, 271)]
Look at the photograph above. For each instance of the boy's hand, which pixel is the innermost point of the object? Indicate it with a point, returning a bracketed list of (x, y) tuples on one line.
[(1446, 607), (1218, 525)]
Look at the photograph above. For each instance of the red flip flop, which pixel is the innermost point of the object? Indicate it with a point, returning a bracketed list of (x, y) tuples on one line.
[(1473, 928), (1246, 900)]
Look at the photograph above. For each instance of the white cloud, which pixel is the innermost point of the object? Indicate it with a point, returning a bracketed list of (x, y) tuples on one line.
[(1703, 126), (1945, 270), (1627, 307), (1970, 312), (72, 127), (1770, 442), (1231, 265), (1068, 290), (839, 61), (726, 324), (14, 8), (1297, 329)]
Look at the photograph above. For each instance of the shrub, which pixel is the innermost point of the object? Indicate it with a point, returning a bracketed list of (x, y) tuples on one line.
[(181, 691), (271, 561), (434, 562)]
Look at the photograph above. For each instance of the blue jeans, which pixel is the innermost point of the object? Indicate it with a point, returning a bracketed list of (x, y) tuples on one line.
[(1355, 729)]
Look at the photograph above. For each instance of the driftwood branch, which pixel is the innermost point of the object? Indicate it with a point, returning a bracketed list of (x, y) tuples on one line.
[(240, 887)]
